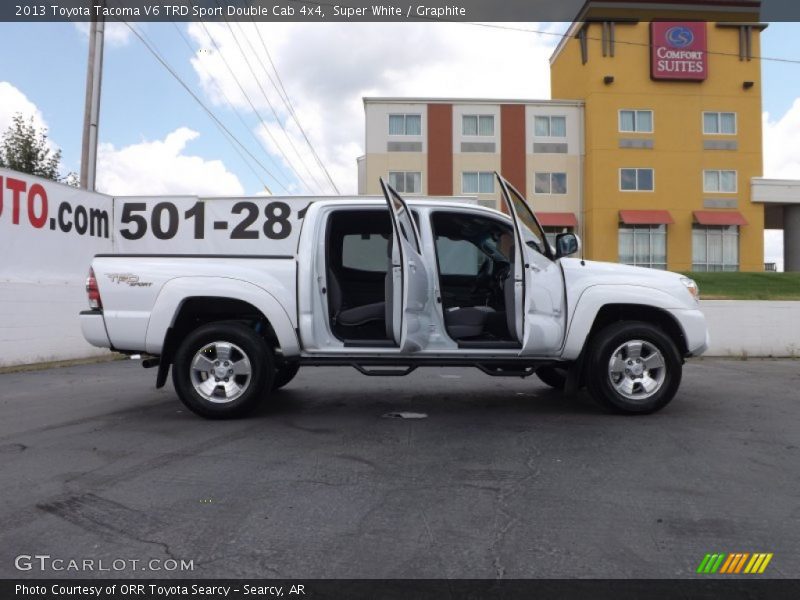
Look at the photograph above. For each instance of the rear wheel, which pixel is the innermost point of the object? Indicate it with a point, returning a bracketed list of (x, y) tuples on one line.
[(222, 370), (284, 374), (633, 368)]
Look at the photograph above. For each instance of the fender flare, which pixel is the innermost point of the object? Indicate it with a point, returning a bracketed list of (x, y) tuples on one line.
[(595, 297), (176, 291)]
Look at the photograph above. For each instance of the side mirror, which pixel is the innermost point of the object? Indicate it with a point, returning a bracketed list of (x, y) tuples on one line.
[(567, 244)]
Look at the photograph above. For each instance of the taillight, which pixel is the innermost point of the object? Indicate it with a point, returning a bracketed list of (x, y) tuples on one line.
[(93, 291)]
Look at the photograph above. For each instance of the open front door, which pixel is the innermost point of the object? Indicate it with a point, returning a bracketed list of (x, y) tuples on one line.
[(409, 291), (538, 282)]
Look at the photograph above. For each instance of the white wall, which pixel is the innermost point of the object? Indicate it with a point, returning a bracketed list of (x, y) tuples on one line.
[(752, 327), (39, 323), (48, 235)]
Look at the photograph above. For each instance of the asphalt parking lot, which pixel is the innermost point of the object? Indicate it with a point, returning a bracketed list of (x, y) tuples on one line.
[(504, 478)]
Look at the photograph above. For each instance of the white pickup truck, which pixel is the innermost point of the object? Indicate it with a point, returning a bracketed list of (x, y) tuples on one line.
[(389, 286)]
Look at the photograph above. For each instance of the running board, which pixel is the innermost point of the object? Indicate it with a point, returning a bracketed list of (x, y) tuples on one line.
[(396, 366), (504, 371), (398, 372)]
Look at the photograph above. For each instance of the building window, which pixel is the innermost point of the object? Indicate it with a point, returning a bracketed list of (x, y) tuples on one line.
[(550, 183), (477, 125), (636, 180), (723, 123), (636, 121), (406, 182), (477, 182), (546, 126), (405, 124), (719, 182), (552, 231), (715, 248), (643, 245)]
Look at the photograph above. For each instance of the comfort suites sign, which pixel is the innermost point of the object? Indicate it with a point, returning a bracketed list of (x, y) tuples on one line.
[(678, 51)]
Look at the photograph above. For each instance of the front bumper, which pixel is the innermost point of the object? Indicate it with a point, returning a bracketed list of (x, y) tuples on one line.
[(695, 330), (94, 328)]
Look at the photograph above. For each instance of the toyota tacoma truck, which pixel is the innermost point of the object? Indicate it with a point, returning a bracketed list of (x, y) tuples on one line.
[(387, 286)]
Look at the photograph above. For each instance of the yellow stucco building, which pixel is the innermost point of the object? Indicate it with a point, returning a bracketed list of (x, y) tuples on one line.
[(672, 133)]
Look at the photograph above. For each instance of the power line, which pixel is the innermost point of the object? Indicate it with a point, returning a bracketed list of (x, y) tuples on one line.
[(220, 124), (231, 105), (254, 109), (616, 41), (225, 132), (288, 102), (272, 107), (269, 102), (553, 33)]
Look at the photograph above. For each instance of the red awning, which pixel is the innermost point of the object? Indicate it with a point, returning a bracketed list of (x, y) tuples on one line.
[(645, 217), (565, 219), (719, 217)]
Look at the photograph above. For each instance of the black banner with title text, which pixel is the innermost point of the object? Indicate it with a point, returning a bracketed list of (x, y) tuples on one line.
[(361, 10)]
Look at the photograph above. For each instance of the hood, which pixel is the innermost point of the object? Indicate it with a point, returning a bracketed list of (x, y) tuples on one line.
[(596, 273)]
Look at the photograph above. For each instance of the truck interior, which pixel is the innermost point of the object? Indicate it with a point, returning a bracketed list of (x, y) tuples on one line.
[(358, 276), (474, 262), (474, 259)]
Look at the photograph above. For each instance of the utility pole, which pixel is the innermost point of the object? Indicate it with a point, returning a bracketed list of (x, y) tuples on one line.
[(91, 115)]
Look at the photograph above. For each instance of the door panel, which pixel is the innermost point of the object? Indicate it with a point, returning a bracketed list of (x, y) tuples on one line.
[(540, 304), (411, 293)]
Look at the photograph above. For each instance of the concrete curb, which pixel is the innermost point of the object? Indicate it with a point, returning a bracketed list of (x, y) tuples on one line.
[(60, 364)]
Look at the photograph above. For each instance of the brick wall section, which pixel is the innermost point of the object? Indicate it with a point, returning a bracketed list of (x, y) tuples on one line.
[(440, 149), (512, 144)]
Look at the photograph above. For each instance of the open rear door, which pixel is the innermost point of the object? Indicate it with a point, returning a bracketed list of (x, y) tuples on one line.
[(409, 293), (538, 282)]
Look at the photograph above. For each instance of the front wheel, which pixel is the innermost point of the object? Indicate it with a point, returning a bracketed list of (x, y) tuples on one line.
[(222, 370), (555, 377), (284, 374), (633, 368)]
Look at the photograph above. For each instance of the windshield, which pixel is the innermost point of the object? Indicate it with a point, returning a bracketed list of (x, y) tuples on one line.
[(407, 226), (532, 233)]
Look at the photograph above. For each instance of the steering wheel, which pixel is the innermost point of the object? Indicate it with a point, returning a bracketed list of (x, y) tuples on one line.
[(501, 273), (483, 278)]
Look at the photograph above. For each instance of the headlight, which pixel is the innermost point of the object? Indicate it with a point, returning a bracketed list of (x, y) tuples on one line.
[(691, 285)]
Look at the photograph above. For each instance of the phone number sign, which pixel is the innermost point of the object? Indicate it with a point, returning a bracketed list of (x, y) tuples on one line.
[(191, 225), (679, 51)]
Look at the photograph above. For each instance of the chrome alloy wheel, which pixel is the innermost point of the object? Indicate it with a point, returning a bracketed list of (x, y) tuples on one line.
[(637, 370), (220, 372)]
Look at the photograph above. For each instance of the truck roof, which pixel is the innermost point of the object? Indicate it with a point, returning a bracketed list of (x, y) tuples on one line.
[(419, 201)]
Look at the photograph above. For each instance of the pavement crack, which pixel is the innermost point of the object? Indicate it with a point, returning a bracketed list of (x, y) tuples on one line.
[(510, 517), (12, 448), (108, 519)]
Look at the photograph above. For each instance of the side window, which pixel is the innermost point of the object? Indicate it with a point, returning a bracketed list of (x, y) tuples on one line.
[(458, 257), (365, 252), (465, 242)]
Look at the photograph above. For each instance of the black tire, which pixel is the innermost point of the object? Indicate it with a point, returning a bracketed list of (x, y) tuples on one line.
[(247, 343), (599, 372), (555, 377), (284, 374)]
